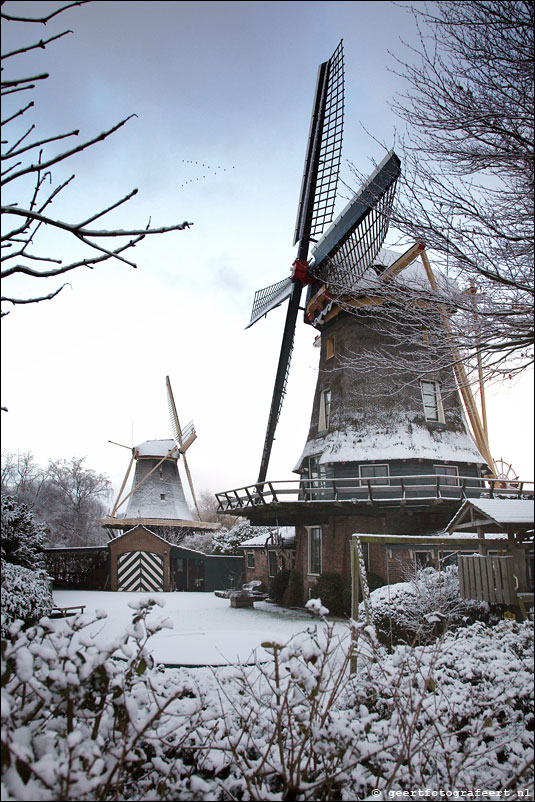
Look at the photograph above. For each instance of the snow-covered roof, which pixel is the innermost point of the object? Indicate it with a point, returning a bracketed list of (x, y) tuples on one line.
[(442, 537), (287, 534), (398, 439), (139, 526), (157, 448), (503, 511)]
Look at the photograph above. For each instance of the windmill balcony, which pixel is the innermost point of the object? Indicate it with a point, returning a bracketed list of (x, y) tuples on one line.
[(345, 494)]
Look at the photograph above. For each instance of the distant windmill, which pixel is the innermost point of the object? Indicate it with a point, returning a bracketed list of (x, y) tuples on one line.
[(157, 497)]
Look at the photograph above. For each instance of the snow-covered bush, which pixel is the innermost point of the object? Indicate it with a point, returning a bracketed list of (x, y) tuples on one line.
[(23, 538), (77, 724), (25, 595), (454, 715), (423, 607), (228, 541)]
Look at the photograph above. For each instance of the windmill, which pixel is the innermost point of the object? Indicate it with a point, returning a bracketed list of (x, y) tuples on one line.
[(353, 241), (157, 497), (419, 427)]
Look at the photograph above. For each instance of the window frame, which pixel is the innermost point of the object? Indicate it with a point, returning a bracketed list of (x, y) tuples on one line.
[(325, 410), (315, 550), (453, 476), (373, 479), (437, 401), (249, 555), (330, 348)]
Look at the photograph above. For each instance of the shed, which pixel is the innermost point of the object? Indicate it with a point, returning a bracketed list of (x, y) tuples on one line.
[(141, 560), (506, 579)]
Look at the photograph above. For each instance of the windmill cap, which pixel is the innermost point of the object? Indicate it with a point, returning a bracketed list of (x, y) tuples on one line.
[(157, 448)]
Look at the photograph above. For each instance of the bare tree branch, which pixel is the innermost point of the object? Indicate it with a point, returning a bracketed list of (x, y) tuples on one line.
[(28, 219), (467, 187)]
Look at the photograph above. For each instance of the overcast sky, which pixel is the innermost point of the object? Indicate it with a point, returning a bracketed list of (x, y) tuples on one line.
[(223, 94)]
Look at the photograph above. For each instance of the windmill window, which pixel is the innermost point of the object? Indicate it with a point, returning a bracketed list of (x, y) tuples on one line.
[(272, 563), (162, 496), (314, 550), (450, 474), (330, 348), (250, 559), (374, 474), (325, 410), (432, 402)]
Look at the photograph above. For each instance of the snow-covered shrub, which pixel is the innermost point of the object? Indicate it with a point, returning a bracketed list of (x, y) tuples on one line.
[(23, 538), (423, 607), (279, 726), (25, 595), (77, 724), (228, 541), (454, 715)]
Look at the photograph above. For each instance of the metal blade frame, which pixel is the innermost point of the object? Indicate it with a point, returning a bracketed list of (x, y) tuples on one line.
[(324, 151), (315, 210), (353, 241), (269, 298)]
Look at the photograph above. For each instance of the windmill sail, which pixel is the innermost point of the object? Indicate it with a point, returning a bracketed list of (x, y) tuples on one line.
[(183, 438), (324, 151), (315, 210), (352, 242), (269, 298)]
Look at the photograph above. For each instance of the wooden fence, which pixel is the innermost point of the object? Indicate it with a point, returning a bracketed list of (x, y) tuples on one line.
[(490, 579)]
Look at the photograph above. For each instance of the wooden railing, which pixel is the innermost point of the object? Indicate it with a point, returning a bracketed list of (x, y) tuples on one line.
[(392, 490)]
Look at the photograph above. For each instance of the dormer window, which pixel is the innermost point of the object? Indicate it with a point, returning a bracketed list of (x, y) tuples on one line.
[(432, 401)]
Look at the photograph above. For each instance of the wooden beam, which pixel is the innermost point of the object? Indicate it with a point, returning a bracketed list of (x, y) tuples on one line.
[(462, 381), (171, 451), (127, 474), (404, 261)]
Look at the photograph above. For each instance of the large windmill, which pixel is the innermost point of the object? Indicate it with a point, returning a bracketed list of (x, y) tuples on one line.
[(157, 498), (357, 430)]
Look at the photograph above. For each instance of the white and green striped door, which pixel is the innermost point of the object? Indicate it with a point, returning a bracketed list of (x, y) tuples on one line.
[(140, 571)]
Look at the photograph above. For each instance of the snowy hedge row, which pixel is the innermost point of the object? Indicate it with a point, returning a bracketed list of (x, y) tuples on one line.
[(25, 594), (78, 724), (423, 607)]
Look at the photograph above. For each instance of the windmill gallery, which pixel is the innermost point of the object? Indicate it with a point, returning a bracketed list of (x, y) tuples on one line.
[(385, 456)]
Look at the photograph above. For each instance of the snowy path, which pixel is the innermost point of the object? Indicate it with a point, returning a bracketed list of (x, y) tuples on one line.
[(206, 630)]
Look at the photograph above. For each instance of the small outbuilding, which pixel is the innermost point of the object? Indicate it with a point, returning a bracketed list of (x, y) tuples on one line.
[(141, 560)]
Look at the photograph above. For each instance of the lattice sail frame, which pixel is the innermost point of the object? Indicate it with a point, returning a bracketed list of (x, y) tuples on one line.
[(269, 298), (354, 240), (330, 154)]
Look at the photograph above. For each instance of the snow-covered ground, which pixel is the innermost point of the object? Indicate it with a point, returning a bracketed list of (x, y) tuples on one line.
[(206, 630)]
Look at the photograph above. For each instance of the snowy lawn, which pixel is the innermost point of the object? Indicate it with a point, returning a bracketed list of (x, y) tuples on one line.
[(206, 630)]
